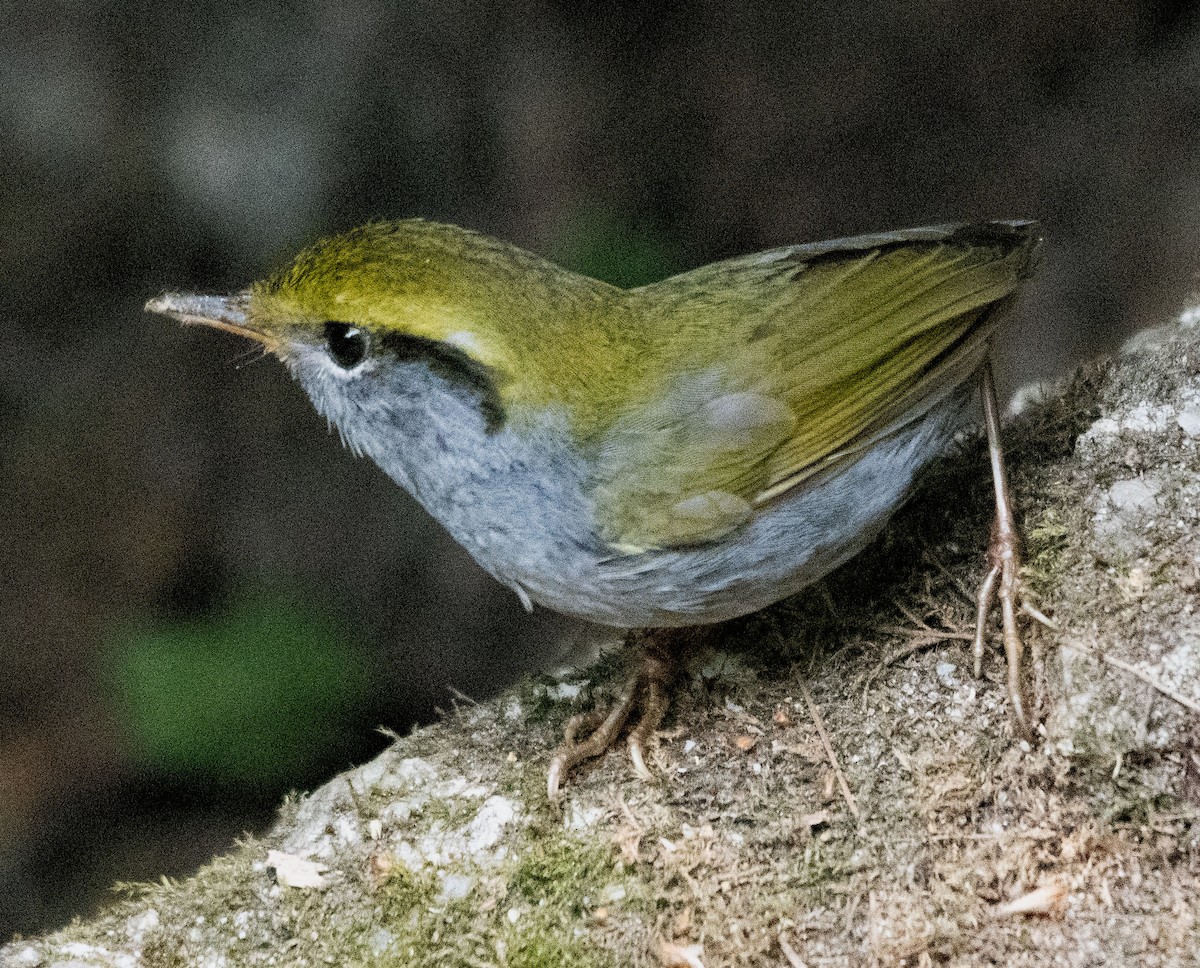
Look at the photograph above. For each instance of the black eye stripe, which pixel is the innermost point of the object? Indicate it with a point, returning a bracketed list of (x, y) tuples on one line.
[(454, 366), (348, 345)]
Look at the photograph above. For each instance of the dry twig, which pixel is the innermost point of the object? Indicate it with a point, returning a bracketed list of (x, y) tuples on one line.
[(955, 582), (789, 952), (680, 956), (833, 760), (1049, 899), (1135, 672)]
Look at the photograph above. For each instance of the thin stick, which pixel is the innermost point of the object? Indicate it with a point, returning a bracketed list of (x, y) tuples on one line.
[(954, 579), (461, 696), (926, 632), (919, 645), (833, 760), (908, 614), (1135, 672), (789, 952)]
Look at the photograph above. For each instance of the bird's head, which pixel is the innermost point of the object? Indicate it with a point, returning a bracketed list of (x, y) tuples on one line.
[(395, 317)]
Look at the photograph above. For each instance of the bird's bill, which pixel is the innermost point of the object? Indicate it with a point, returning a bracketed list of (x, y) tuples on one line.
[(219, 312)]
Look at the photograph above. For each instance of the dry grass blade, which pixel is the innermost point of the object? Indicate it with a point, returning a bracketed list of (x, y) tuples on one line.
[(793, 959), (815, 713), (917, 645), (926, 633), (921, 635), (1048, 899), (680, 956), (955, 582), (461, 696), (1135, 672)]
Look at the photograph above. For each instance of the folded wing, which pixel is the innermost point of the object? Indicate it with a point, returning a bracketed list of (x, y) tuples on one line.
[(786, 363)]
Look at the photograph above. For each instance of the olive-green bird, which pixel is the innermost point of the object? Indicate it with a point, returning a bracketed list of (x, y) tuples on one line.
[(671, 455)]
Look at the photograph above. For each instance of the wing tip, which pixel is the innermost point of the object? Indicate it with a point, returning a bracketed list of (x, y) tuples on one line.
[(1024, 235)]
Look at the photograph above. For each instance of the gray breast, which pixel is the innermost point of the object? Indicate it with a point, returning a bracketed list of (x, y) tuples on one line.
[(519, 503)]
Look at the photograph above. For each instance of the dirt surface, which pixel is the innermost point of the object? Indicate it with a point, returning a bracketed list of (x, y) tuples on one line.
[(938, 839)]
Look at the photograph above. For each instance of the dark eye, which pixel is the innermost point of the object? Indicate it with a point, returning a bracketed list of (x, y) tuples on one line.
[(347, 344)]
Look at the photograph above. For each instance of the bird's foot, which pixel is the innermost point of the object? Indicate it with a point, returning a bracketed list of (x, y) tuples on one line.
[(648, 688), (1003, 582)]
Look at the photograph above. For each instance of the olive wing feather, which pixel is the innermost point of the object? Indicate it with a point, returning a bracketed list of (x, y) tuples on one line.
[(788, 362)]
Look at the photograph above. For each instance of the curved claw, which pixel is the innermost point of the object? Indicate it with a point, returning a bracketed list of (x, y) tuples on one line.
[(639, 761)]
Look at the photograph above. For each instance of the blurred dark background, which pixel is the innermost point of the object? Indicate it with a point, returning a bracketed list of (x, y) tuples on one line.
[(204, 601)]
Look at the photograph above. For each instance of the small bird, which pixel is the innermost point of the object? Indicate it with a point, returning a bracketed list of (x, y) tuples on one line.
[(666, 456)]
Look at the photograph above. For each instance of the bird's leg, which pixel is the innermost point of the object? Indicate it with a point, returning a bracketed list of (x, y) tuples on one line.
[(1003, 579), (649, 687)]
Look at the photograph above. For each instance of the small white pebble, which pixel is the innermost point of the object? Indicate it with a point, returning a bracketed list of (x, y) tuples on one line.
[(1103, 427), (1189, 421), (1134, 493), (566, 690), (614, 893)]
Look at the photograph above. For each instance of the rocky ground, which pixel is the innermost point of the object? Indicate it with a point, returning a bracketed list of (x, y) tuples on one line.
[(930, 836)]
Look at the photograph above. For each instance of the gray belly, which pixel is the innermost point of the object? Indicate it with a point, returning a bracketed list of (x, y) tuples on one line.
[(790, 544), (519, 504)]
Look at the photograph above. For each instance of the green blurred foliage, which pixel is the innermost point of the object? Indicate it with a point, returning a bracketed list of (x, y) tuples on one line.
[(605, 247), (254, 696)]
